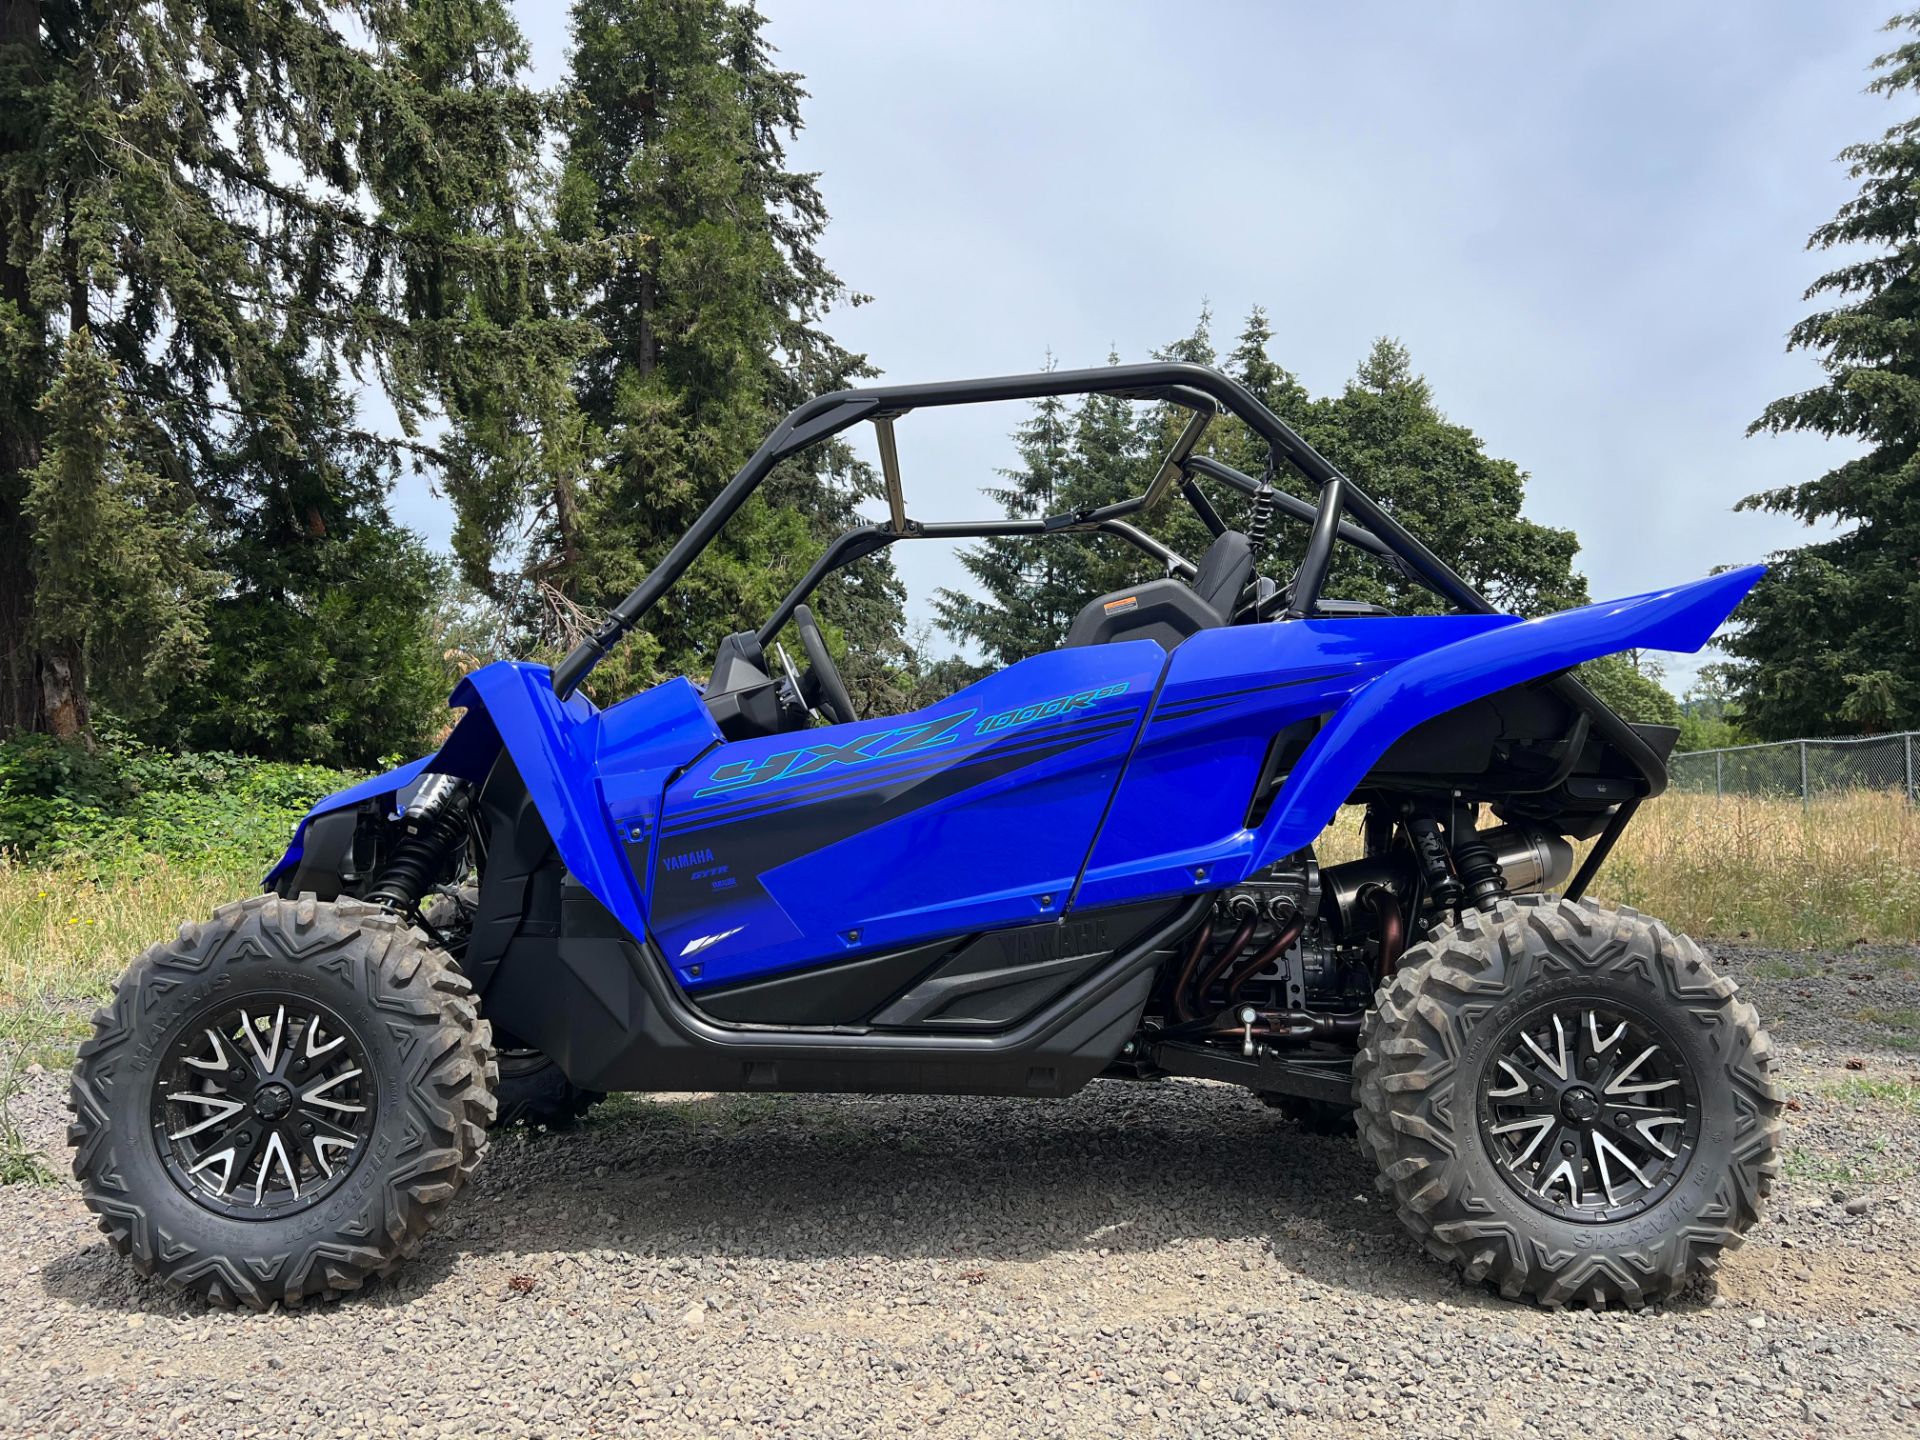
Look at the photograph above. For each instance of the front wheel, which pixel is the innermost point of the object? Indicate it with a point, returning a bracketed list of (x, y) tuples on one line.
[(278, 1104), (1566, 1102)]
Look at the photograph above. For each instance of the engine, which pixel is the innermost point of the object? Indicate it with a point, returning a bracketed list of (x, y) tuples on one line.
[(1298, 952)]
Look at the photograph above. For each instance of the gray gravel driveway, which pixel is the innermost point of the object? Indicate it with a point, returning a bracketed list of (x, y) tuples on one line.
[(1148, 1260)]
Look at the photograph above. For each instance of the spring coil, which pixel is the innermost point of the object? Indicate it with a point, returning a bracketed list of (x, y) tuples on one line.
[(1261, 517), (435, 822)]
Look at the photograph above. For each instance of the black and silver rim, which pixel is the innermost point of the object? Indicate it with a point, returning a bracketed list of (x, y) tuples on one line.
[(1588, 1110), (263, 1107)]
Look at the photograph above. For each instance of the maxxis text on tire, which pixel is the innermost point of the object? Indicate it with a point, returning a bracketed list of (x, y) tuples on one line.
[(1429, 1074), (344, 984)]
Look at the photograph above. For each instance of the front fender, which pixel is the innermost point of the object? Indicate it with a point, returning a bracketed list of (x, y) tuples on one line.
[(1416, 690), (467, 752)]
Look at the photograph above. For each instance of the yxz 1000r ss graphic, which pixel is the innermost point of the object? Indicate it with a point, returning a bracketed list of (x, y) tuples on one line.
[(1096, 862)]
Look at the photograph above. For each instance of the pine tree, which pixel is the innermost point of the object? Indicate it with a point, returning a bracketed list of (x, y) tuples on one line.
[(1435, 477), (1109, 459), (1027, 596), (710, 323), (115, 559), (1384, 430), (146, 199), (320, 643), (1831, 637)]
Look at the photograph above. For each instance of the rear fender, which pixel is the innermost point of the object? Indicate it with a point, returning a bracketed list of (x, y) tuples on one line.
[(1416, 690)]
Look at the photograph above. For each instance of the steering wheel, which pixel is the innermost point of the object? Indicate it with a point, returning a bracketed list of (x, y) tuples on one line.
[(833, 691)]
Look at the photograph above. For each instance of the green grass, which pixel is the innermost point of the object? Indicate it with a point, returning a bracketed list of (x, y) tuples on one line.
[(1877, 1168), (68, 931), (1878, 1094), (1785, 969), (20, 1164), (1898, 1029), (1770, 871), (1843, 869)]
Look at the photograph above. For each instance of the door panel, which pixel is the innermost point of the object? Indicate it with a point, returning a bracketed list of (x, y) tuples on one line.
[(791, 850)]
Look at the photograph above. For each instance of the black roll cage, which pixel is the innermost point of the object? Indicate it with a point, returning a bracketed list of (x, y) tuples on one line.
[(1344, 513)]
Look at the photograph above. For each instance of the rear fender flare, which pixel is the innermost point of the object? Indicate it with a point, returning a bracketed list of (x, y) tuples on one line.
[(1416, 690)]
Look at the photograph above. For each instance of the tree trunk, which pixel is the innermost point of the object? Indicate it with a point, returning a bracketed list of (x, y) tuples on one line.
[(38, 690), (63, 694), (20, 701)]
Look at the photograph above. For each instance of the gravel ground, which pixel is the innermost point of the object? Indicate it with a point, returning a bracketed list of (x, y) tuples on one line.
[(1163, 1260)]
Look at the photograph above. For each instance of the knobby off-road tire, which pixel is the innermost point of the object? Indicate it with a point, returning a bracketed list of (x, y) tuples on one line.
[(532, 1090), (331, 1026), (1447, 1123)]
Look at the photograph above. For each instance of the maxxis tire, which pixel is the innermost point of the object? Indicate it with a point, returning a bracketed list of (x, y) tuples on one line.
[(1417, 1080), (532, 1091), (429, 1069)]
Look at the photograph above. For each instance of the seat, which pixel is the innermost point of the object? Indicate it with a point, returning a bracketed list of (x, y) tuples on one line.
[(1168, 611)]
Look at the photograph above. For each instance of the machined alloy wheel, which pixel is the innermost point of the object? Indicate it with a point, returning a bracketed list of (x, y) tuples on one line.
[(279, 1103), (265, 1107), (1589, 1110), (1565, 1102)]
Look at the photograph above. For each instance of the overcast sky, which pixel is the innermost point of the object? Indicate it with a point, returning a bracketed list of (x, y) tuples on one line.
[(1586, 222)]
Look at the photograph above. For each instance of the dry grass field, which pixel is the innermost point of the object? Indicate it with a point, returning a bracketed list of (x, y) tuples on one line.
[(1844, 869)]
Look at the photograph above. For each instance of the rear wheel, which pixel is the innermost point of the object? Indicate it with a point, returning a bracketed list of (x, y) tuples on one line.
[(534, 1093), (1565, 1101), (1316, 1117), (279, 1104)]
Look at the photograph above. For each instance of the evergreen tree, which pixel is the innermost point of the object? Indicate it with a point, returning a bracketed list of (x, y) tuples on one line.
[(1831, 639), (1629, 682), (676, 122), (1028, 588), (1435, 477), (1384, 430), (149, 216), (1109, 460), (115, 559), (320, 643)]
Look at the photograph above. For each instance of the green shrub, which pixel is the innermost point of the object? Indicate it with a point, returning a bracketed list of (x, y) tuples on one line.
[(122, 802)]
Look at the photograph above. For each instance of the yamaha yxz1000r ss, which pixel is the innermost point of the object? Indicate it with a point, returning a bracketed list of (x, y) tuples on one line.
[(1096, 862)]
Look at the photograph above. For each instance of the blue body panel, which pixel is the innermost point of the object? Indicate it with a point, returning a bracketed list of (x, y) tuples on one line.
[(973, 813), (1072, 780)]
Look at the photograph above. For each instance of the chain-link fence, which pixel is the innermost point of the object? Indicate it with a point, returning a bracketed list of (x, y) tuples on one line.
[(1803, 768)]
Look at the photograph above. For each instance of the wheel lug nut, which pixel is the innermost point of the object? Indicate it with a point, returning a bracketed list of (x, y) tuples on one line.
[(1591, 1065), (1566, 1147), (1538, 1093), (1622, 1121)]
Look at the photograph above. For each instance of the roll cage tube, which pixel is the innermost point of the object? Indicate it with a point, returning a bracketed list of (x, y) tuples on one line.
[(1193, 387), (864, 540)]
